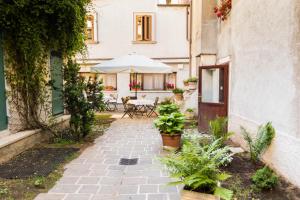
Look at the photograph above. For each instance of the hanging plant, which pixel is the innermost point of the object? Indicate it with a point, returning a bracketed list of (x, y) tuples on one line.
[(223, 9)]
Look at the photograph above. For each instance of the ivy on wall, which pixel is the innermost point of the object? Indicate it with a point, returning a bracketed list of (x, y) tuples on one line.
[(31, 29)]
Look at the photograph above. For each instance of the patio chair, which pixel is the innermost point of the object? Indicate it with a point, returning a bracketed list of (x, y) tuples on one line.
[(153, 108), (113, 103), (128, 109)]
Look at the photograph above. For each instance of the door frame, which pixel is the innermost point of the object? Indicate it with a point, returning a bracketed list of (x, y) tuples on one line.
[(224, 104)]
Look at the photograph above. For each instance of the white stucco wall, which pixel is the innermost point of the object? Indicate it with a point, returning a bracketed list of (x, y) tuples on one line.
[(262, 77)]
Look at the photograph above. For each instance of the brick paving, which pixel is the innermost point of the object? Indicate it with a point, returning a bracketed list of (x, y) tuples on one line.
[(97, 175)]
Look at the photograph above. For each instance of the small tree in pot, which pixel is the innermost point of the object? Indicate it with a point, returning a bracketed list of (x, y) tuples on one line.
[(197, 168), (171, 127), (178, 94)]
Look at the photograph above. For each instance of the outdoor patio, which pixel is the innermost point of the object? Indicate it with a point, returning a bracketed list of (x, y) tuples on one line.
[(97, 173)]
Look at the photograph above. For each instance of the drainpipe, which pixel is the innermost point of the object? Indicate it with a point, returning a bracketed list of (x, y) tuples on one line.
[(190, 37)]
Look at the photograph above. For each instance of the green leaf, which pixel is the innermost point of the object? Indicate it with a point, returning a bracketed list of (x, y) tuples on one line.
[(223, 193)]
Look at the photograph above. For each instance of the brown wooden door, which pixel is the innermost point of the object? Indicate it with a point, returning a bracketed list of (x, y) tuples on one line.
[(213, 94)]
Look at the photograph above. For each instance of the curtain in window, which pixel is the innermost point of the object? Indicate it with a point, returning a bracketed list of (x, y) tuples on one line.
[(158, 81)]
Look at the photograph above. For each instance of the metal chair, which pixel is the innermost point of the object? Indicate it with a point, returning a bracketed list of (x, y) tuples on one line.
[(153, 108), (114, 102), (128, 109)]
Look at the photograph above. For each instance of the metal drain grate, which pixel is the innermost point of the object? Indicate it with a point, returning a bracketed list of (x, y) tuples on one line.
[(126, 161)]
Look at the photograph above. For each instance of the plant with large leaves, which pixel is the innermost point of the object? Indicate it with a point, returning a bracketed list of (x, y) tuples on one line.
[(170, 124)]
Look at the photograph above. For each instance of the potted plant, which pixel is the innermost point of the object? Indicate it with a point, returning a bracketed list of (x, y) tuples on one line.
[(197, 168), (168, 109), (223, 9), (186, 83), (189, 113), (134, 85), (193, 83), (170, 127), (178, 94), (170, 86)]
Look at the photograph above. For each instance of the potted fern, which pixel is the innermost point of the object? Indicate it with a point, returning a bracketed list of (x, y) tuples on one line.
[(170, 127), (178, 94), (197, 168)]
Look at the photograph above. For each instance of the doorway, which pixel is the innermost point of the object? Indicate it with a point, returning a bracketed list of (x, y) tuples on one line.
[(3, 114), (213, 94)]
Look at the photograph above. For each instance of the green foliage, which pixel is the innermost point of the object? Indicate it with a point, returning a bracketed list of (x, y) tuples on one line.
[(170, 124), (31, 29), (218, 129), (197, 167), (262, 141), (178, 91), (3, 191), (193, 79), (166, 101), (167, 109), (95, 94), (190, 110), (264, 179), (39, 182), (82, 114)]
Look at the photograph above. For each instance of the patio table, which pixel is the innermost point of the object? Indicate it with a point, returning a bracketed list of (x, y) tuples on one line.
[(141, 105)]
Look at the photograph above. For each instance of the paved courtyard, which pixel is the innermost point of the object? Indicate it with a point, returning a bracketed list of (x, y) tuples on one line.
[(97, 175)]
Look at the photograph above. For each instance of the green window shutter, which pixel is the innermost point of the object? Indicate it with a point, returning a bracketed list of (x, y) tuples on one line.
[(57, 81), (3, 117)]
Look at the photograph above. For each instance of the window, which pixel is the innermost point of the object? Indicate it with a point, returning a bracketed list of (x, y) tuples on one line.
[(144, 27), (109, 81), (153, 81), (90, 27)]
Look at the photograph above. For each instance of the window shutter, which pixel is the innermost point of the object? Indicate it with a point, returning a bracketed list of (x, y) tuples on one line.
[(147, 22), (139, 28)]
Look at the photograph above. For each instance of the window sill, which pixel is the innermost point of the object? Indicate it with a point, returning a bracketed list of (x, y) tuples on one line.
[(91, 42), (144, 42), (173, 5), (152, 91)]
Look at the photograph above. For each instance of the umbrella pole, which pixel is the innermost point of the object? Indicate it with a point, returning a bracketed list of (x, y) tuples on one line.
[(136, 87)]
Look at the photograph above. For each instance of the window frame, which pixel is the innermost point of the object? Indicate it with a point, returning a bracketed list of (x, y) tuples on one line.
[(116, 81), (146, 38), (94, 20)]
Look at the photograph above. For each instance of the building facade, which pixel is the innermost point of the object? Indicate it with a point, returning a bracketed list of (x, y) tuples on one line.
[(151, 28), (249, 71)]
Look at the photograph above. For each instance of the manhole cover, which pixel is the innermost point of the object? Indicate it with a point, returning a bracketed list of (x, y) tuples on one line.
[(126, 161)]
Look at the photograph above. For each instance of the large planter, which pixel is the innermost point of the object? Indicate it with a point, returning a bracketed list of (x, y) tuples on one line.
[(192, 85), (189, 195), (179, 97), (171, 140)]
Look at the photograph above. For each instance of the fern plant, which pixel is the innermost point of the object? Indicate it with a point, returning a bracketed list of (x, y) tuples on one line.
[(261, 142), (264, 179), (197, 167), (218, 129)]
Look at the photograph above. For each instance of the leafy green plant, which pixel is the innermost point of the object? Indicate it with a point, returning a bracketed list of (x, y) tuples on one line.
[(95, 94), (197, 167), (170, 124), (3, 191), (264, 179), (190, 110), (82, 114), (218, 129), (178, 91), (39, 182), (166, 101), (193, 79), (262, 141), (167, 109)]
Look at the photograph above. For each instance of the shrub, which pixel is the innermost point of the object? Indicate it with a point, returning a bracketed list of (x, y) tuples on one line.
[(178, 91), (167, 109), (264, 179), (170, 124), (218, 129), (190, 110), (95, 95), (193, 79), (262, 141), (166, 101), (197, 168), (39, 182), (82, 114)]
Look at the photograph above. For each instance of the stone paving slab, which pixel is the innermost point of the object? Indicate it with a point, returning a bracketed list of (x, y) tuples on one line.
[(97, 175)]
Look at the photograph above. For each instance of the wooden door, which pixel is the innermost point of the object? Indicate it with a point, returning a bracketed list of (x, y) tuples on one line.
[(3, 117), (57, 81), (213, 94)]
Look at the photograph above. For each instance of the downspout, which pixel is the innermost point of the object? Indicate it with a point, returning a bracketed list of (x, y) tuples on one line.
[(190, 37)]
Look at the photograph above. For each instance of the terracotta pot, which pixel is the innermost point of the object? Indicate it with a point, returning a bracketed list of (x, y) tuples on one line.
[(171, 140), (189, 195), (192, 85), (179, 97)]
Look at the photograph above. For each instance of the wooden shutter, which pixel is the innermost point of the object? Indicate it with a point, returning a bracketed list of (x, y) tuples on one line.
[(57, 79), (147, 27), (3, 117), (139, 28)]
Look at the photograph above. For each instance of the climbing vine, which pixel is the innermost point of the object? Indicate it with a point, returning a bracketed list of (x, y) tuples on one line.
[(32, 29)]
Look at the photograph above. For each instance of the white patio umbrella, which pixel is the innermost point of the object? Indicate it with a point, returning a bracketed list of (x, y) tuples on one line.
[(132, 63)]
